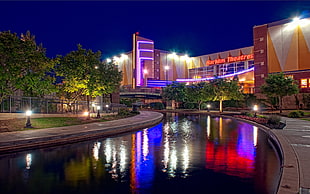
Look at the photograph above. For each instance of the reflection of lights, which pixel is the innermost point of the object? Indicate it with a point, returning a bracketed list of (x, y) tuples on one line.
[(28, 161), (96, 150), (173, 162), (166, 146), (221, 127), (185, 158), (145, 144), (255, 129), (209, 125), (108, 151), (123, 157)]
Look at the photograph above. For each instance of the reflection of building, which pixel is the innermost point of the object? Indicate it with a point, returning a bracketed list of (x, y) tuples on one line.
[(282, 46)]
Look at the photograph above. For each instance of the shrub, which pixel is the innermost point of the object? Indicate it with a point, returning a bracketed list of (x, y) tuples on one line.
[(302, 113), (157, 105), (123, 112), (294, 114), (203, 106), (189, 105), (249, 114), (274, 119)]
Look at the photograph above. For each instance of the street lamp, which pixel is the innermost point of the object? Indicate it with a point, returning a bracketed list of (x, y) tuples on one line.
[(145, 72), (166, 72), (255, 109), (208, 106), (28, 123), (106, 108), (98, 113)]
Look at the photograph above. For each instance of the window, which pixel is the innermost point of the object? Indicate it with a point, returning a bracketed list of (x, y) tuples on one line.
[(304, 83)]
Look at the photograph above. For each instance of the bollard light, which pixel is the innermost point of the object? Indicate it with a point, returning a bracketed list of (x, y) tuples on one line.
[(98, 113), (106, 108), (28, 123), (255, 109)]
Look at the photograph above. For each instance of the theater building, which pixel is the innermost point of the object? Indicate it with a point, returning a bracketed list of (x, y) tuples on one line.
[(282, 46)]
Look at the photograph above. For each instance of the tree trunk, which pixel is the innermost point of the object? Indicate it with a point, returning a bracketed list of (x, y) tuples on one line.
[(88, 108), (280, 102), (199, 104)]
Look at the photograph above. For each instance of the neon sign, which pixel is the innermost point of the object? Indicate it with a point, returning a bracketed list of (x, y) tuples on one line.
[(230, 59)]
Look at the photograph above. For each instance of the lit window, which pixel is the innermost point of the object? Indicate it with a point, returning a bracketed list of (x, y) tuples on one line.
[(304, 83)]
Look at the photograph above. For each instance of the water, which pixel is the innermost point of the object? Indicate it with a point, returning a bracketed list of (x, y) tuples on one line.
[(183, 154)]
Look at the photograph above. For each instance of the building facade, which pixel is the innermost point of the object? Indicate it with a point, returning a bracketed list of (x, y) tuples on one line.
[(282, 46)]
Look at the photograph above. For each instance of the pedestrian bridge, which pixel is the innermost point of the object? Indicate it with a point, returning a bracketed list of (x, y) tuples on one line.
[(148, 93)]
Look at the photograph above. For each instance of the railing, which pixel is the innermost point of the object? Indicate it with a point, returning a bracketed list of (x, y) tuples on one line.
[(18, 104)]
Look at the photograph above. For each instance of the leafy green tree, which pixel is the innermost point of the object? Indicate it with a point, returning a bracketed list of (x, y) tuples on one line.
[(278, 86), (199, 93), (175, 92), (24, 66), (225, 89), (85, 75)]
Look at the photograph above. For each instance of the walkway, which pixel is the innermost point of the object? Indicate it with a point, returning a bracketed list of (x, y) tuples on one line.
[(30, 139), (295, 142)]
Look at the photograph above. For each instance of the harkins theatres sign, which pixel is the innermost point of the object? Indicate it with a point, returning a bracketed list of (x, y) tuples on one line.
[(230, 59)]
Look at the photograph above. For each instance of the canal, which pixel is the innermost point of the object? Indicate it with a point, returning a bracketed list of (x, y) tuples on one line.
[(182, 154)]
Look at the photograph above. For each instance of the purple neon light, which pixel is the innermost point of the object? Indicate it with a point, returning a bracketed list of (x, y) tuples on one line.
[(138, 67), (146, 50), (211, 78)]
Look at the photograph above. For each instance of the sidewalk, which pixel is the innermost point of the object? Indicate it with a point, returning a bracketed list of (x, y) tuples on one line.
[(295, 143), (33, 139)]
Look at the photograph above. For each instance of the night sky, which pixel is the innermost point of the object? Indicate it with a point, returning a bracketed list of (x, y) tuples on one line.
[(195, 28)]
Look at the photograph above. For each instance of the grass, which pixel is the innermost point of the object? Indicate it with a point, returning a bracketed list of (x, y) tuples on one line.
[(50, 122)]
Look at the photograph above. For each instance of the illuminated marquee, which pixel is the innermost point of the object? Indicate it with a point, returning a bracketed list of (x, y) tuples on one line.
[(230, 59)]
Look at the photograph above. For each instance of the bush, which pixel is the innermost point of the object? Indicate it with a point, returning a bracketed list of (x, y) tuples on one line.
[(302, 113), (157, 105), (203, 106), (294, 114), (274, 119), (189, 105), (123, 112)]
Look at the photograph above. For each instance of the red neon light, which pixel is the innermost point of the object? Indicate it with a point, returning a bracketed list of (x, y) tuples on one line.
[(230, 59)]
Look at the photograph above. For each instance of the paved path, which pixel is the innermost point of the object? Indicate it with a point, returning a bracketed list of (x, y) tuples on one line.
[(20, 140), (295, 142)]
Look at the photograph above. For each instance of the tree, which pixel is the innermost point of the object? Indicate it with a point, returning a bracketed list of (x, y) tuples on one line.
[(85, 75), (24, 66), (199, 93), (224, 89), (175, 91), (278, 86)]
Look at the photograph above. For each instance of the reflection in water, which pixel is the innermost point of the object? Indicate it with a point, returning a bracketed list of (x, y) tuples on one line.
[(28, 161), (173, 156)]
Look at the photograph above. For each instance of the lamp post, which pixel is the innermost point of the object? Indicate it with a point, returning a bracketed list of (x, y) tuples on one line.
[(145, 72), (208, 106), (166, 72), (98, 113), (255, 109), (106, 108), (28, 123)]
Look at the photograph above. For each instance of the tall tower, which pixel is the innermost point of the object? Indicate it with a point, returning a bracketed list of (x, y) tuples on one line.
[(143, 60)]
